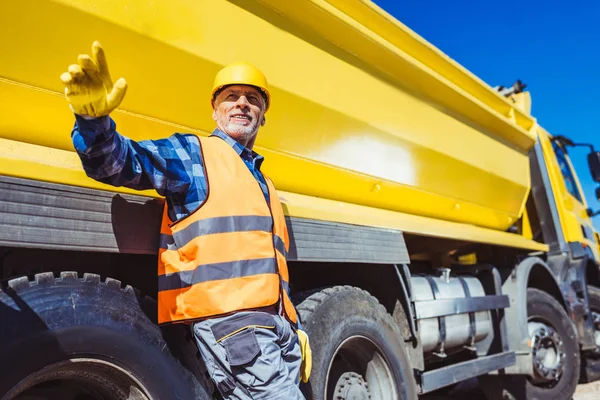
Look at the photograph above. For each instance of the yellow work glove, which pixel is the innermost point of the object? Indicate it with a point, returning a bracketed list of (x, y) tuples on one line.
[(89, 87), (306, 356)]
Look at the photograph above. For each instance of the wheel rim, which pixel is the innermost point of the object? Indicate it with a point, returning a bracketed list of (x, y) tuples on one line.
[(596, 321), (548, 353), (80, 379), (358, 370)]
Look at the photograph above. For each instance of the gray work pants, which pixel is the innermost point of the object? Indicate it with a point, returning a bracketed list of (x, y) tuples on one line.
[(251, 355)]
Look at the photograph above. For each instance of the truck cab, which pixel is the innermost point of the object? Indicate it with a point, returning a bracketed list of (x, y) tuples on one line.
[(564, 222), (570, 210), (572, 207)]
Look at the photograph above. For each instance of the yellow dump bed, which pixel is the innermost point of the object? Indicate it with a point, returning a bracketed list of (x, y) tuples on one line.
[(369, 123)]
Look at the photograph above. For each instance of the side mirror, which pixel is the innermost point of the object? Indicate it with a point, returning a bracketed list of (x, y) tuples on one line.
[(591, 213), (594, 164)]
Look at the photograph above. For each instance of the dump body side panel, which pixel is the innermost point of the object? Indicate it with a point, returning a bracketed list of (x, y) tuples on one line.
[(336, 130)]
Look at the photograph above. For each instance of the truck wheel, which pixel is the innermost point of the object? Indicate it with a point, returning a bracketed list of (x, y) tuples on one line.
[(555, 347), (358, 351), (556, 362), (590, 363), (74, 338)]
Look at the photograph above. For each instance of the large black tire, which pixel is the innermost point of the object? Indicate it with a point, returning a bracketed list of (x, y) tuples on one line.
[(74, 338), (542, 307), (348, 328), (590, 362)]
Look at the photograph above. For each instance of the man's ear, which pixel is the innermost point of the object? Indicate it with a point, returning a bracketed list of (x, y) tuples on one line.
[(214, 115), (264, 121)]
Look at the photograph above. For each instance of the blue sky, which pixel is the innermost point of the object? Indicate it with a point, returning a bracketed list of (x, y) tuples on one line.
[(553, 47)]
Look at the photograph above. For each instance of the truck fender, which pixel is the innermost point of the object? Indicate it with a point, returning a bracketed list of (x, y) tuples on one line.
[(515, 316)]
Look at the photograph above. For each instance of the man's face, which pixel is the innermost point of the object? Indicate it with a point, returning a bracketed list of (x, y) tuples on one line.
[(239, 112)]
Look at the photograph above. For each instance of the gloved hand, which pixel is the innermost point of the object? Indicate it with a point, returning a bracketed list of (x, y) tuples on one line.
[(306, 366), (89, 87)]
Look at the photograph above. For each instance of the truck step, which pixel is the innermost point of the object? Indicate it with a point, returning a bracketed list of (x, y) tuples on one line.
[(445, 376)]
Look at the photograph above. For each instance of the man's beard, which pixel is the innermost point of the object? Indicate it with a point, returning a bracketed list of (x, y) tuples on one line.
[(239, 131)]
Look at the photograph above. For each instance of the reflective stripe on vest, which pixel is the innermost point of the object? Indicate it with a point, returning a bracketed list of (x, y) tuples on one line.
[(215, 272), (228, 255)]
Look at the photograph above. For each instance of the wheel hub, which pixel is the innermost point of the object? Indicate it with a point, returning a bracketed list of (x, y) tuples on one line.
[(352, 386), (596, 321), (548, 352), (374, 380)]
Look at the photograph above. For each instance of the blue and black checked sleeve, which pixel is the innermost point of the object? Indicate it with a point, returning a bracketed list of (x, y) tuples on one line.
[(172, 166)]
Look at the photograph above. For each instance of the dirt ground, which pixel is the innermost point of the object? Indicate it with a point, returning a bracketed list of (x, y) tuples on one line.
[(588, 391)]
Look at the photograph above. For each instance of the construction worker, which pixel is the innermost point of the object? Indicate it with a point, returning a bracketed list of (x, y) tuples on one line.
[(222, 259)]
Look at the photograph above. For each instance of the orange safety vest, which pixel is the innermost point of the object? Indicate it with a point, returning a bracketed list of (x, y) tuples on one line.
[(230, 254)]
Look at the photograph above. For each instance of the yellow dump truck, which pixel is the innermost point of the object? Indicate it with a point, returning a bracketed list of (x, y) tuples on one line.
[(438, 232)]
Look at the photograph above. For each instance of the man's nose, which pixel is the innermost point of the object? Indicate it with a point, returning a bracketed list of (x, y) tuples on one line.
[(243, 101)]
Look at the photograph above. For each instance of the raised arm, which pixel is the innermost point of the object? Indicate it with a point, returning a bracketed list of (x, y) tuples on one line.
[(106, 155), (114, 159)]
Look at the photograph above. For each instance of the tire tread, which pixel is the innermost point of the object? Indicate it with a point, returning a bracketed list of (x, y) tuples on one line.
[(309, 305), (312, 302), (122, 309), (48, 278)]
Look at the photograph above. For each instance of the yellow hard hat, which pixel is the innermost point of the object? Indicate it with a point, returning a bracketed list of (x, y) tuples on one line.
[(241, 74)]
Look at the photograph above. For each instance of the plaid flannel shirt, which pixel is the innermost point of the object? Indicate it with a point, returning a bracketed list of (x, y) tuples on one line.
[(173, 166)]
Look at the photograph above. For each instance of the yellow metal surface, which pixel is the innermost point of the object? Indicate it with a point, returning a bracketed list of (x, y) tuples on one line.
[(522, 101), (526, 226), (365, 30), (61, 166), (575, 223), (364, 112)]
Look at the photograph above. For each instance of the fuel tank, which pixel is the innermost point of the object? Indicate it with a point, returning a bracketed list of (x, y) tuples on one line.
[(460, 329)]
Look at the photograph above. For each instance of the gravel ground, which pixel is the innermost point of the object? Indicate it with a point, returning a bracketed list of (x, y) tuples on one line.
[(588, 391)]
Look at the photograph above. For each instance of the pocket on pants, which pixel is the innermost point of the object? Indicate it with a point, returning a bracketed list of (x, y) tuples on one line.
[(238, 336), (242, 348)]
